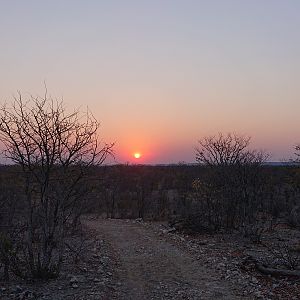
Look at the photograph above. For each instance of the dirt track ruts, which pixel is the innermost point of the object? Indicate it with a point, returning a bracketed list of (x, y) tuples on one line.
[(153, 268)]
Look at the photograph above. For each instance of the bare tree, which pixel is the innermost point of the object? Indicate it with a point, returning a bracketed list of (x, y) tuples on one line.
[(297, 153), (54, 149), (227, 150), (231, 195)]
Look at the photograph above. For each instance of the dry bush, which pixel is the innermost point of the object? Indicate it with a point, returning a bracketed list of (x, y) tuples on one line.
[(54, 150), (231, 193)]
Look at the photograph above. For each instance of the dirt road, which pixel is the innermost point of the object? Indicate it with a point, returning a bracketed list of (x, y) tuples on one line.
[(153, 268)]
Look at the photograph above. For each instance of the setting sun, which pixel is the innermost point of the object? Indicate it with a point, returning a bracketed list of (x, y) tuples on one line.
[(137, 155)]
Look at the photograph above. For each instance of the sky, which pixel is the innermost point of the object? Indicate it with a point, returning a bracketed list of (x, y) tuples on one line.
[(159, 75)]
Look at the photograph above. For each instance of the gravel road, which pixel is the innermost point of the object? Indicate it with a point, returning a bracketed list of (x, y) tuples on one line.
[(150, 267)]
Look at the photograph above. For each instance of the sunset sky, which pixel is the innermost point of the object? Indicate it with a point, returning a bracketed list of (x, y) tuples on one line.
[(161, 74)]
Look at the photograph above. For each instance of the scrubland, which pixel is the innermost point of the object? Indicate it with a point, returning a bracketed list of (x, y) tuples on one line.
[(248, 246)]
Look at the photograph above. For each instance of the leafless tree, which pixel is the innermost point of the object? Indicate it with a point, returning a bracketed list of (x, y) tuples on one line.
[(297, 153), (54, 149), (227, 150), (231, 196)]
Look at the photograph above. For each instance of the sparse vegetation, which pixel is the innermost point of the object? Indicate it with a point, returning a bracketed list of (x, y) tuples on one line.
[(53, 151), (58, 175)]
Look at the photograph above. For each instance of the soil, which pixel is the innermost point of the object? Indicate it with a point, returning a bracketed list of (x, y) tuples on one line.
[(132, 259), (153, 268)]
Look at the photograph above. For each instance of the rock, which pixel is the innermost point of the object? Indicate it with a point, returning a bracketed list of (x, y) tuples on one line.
[(73, 280), (254, 280), (77, 279), (17, 289), (202, 243), (221, 266), (27, 295), (258, 294)]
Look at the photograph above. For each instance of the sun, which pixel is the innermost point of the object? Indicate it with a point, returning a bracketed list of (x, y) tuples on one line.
[(137, 155)]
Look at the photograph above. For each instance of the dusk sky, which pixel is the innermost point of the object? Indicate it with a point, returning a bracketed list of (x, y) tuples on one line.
[(159, 75)]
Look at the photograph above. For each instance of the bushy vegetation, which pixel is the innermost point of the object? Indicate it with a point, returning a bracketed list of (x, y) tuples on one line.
[(250, 199), (186, 196), (232, 188), (58, 175)]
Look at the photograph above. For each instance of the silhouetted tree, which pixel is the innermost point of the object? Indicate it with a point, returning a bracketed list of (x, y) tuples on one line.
[(227, 150), (54, 149), (231, 194), (297, 153)]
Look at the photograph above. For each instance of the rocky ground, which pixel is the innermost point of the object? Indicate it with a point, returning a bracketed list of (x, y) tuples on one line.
[(234, 258), (131, 259), (153, 267), (87, 273)]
